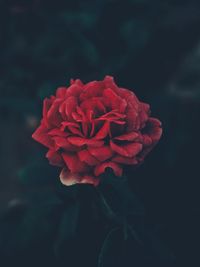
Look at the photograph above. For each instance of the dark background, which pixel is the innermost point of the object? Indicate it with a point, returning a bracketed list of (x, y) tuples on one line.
[(150, 47)]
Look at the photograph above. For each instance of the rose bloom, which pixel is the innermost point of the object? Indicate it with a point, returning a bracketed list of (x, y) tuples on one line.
[(89, 127)]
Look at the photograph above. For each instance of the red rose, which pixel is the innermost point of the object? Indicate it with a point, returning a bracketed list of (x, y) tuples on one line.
[(89, 127)]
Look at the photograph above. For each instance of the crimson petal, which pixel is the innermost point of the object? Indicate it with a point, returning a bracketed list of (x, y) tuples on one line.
[(74, 164), (84, 155), (41, 136), (127, 137), (101, 153), (54, 158), (124, 160), (78, 141), (128, 150)]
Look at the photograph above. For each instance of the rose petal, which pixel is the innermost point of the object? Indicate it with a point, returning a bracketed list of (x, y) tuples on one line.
[(61, 92), (46, 106), (127, 137), (74, 164), (54, 158), (85, 155), (76, 81), (67, 178), (99, 169), (154, 130), (53, 116), (94, 103), (111, 99), (129, 150), (74, 90), (104, 131), (101, 153), (61, 142), (78, 141), (57, 132), (125, 160), (94, 88), (41, 136), (70, 106), (110, 83)]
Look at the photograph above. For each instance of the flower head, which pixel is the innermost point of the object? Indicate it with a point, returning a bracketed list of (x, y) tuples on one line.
[(89, 127)]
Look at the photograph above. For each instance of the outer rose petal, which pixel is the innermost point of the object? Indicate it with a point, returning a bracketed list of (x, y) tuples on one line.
[(53, 116), (68, 178), (91, 89), (41, 136), (84, 155), (54, 158), (129, 150), (61, 92), (154, 129), (74, 90), (74, 164), (125, 160), (46, 106), (110, 83), (101, 168), (76, 81)]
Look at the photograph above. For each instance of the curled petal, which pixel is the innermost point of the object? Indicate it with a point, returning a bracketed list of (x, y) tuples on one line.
[(67, 178), (128, 150), (99, 169)]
